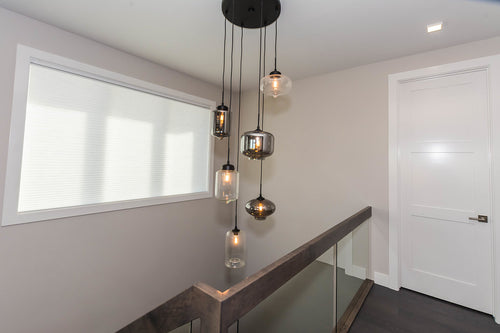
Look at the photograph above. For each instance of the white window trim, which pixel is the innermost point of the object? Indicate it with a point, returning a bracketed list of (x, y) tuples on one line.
[(27, 56)]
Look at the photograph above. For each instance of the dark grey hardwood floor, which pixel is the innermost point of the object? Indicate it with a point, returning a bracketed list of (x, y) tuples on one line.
[(386, 310)]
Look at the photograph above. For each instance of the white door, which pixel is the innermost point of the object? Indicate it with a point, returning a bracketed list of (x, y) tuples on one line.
[(445, 181)]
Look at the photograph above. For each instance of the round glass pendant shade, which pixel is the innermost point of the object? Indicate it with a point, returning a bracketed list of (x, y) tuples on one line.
[(221, 122), (260, 208), (227, 183), (275, 84), (257, 145), (235, 249)]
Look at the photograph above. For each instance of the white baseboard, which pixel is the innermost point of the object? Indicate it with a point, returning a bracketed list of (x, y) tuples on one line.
[(356, 271), (382, 279)]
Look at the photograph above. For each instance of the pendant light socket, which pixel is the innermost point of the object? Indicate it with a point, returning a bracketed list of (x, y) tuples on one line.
[(228, 167)]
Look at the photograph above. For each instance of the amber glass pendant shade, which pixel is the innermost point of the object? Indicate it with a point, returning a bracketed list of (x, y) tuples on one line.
[(257, 145), (275, 84), (260, 208), (221, 122), (235, 249)]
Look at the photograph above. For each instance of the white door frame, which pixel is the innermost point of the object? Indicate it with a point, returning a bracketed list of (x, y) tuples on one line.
[(492, 66)]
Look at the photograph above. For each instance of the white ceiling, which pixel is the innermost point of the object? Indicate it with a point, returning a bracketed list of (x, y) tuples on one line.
[(315, 36)]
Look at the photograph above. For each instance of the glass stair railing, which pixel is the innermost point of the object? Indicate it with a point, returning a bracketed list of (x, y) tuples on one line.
[(319, 287)]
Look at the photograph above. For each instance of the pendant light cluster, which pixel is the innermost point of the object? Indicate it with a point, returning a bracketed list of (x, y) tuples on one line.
[(257, 144)]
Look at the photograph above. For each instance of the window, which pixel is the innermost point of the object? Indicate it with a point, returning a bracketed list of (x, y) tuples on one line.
[(84, 140)]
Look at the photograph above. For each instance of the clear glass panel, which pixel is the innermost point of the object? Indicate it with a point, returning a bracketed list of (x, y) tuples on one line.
[(192, 327), (352, 257), (303, 304)]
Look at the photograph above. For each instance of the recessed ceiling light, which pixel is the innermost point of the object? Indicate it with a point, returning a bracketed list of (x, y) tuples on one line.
[(434, 27)]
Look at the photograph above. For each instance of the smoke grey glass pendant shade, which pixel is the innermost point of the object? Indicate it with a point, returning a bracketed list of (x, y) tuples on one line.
[(221, 122), (227, 183), (260, 208), (235, 249), (275, 84), (257, 145)]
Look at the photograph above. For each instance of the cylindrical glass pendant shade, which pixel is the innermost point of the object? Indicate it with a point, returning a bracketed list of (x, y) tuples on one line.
[(221, 122), (227, 183), (275, 84), (260, 208), (257, 145), (235, 248)]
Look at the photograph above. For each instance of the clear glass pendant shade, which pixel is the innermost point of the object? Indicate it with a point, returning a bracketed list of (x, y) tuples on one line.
[(257, 145), (227, 183), (235, 248), (260, 208), (275, 84), (221, 122)]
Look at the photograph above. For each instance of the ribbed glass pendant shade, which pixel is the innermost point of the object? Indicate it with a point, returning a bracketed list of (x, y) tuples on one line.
[(235, 248), (221, 122), (260, 208), (257, 145), (227, 183), (275, 84)]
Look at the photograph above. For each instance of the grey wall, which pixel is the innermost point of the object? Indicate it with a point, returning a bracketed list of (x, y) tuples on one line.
[(331, 154), (95, 273), (98, 272)]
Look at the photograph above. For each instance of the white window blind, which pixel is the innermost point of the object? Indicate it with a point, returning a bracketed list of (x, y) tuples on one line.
[(94, 143)]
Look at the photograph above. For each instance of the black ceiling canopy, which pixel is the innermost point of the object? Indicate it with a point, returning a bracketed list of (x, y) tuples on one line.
[(251, 13)]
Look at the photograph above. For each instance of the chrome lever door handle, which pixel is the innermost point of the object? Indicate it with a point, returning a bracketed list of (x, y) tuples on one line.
[(480, 218)]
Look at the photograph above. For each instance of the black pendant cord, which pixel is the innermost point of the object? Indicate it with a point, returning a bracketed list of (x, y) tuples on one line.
[(239, 122), (230, 88), (260, 60), (258, 86), (224, 64), (263, 70), (275, 44), (263, 109), (260, 189), (239, 100)]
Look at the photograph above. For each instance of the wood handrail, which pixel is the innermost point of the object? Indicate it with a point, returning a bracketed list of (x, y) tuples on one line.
[(218, 310)]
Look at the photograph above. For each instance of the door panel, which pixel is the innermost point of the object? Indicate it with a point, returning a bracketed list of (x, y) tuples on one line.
[(449, 175), (445, 168)]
